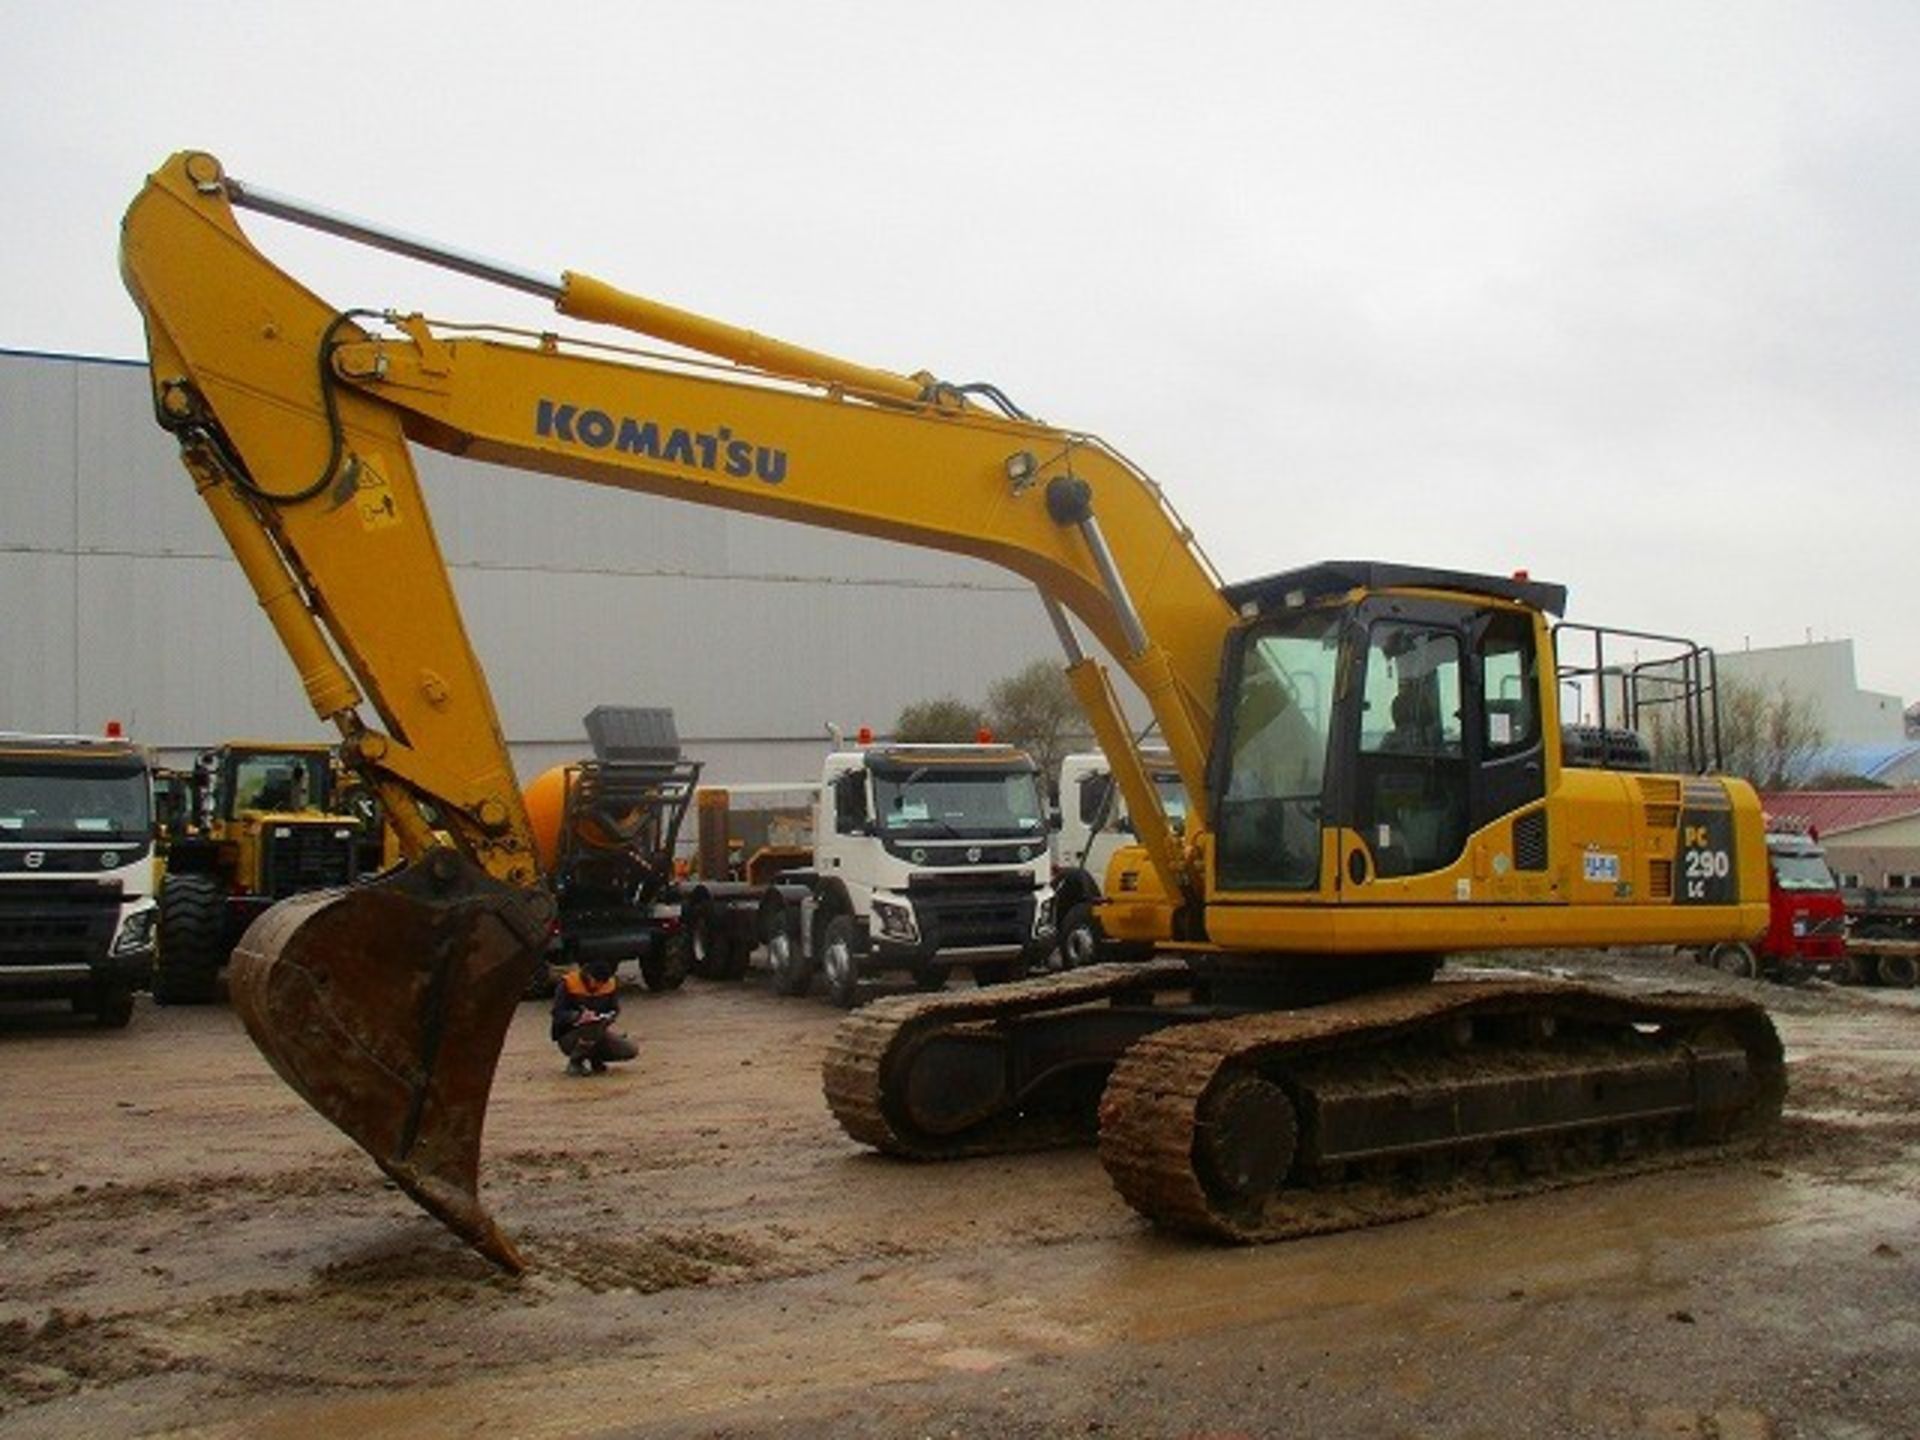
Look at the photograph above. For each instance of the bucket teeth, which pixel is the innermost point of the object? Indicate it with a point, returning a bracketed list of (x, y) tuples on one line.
[(385, 1007)]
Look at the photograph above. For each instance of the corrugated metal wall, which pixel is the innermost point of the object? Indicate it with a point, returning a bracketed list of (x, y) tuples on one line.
[(117, 599)]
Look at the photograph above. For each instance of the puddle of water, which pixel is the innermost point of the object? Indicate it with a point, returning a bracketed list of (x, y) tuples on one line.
[(1572, 1240)]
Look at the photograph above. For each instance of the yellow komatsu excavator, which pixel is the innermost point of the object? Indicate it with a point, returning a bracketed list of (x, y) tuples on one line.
[(1372, 754)]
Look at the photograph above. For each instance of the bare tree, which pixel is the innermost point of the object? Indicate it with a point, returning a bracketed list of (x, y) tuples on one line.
[(1035, 709), (945, 721), (1767, 736)]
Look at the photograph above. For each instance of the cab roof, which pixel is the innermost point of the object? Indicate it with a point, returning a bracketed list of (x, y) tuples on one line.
[(998, 756), (1336, 577), (92, 747)]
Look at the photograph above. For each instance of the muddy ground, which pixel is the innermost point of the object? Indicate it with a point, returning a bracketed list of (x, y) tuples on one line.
[(184, 1247)]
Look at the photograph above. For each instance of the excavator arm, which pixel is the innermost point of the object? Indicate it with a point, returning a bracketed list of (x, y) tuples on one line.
[(386, 1006)]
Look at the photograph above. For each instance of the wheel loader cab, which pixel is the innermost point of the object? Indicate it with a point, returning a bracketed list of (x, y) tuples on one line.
[(1374, 717), (273, 782)]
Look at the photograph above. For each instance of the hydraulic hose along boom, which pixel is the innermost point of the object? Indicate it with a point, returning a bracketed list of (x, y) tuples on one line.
[(1313, 863)]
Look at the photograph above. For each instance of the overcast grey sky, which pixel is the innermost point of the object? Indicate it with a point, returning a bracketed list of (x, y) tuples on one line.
[(1619, 293)]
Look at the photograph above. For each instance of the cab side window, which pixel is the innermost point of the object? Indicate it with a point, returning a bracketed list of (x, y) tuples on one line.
[(1411, 772), (1412, 691), (1512, 686), (850, 803)]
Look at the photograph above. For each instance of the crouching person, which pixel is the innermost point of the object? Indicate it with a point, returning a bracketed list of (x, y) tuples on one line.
[(585, 1004)]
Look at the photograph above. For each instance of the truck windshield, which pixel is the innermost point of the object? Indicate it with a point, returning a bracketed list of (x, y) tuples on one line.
[(960, 803), (1801, 870), (73, 800)]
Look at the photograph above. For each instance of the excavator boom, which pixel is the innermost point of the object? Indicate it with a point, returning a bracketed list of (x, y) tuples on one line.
[(386, 1006)]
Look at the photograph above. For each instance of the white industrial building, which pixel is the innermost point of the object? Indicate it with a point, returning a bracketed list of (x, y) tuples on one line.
[(1822, 671), (121, 602)]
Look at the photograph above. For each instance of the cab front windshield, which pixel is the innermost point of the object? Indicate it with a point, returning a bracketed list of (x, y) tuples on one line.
[(277, 781), (1801, 870), (1269, 829), (73, 800), (957, 803)]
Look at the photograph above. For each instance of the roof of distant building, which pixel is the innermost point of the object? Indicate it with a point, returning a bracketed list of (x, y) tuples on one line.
[(1876, 761), (1834, 812)]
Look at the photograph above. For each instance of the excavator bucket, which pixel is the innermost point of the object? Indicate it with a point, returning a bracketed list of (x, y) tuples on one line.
[(385, 1007)]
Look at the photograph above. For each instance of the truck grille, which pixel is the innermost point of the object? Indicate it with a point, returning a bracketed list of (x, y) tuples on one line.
[(952, 918), (301, 857), (57, 922)]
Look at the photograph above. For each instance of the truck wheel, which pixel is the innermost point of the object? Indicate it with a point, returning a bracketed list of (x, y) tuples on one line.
[(664, 967), (1737, 960), (1079, 938), (1861, 970), (541, 983), (544, 978), (111, 1006), (192, 940), (792, 970), (839, 962), (710, 947), (1899, 970)]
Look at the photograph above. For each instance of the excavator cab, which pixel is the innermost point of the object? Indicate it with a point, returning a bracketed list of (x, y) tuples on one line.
[(1377, 717)]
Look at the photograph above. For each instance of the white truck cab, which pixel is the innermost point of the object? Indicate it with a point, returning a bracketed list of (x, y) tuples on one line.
[(926, 858), (1094, 825), (77, 913)]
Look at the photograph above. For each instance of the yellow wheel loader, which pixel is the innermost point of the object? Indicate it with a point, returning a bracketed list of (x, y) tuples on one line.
[(253, 823)]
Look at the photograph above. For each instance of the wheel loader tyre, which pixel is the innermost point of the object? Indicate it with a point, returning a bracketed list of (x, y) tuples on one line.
[(1737, 960), (840, 961), (111, 1006), (192, 940), (665, 966), (1900, 971)]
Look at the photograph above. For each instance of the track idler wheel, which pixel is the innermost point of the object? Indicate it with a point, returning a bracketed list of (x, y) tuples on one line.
[(385, 1007), (1244, 1140)]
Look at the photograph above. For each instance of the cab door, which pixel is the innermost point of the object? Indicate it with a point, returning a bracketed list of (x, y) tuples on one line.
[(1407, 793), (1444, 738)]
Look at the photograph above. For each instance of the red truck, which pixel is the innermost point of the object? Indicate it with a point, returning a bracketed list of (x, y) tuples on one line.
[(1806, 918)]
